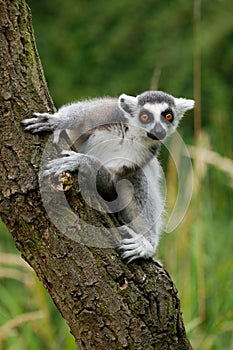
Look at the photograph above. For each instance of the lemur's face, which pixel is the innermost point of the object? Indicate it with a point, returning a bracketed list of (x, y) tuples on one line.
[(154, 112), (158, 119)]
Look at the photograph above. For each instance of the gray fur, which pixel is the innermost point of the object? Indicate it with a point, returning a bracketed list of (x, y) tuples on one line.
[(108, 133), (155, 97)]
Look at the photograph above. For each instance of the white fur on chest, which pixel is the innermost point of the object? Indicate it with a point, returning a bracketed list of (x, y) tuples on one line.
[(116, 148)]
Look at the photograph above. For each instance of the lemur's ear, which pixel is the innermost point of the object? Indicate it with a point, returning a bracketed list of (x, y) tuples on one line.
[(128, 103), (183, 105)]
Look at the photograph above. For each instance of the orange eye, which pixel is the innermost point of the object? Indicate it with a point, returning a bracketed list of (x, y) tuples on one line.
[(169, 117), (144, 117)]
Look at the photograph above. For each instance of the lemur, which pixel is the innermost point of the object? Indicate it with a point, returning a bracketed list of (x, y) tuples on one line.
[(123, 135)]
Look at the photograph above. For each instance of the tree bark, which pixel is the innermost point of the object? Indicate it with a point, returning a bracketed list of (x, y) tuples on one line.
[(107, 304)]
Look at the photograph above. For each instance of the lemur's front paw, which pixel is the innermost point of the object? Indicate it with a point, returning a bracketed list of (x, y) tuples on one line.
[(39, 122), (137, 246), (69, 161)]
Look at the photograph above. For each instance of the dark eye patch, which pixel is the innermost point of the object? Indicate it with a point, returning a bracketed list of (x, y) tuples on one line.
[(145, 116), (168, 115)]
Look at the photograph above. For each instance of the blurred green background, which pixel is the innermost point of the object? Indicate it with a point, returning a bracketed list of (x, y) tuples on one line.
[(94, 48)]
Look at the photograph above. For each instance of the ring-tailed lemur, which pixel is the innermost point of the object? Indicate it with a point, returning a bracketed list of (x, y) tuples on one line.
[(123, 134)]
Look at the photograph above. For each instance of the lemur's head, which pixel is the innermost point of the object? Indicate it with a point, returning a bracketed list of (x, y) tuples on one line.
[(155, 111)]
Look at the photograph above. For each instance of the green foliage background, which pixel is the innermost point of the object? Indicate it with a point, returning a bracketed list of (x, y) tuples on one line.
[(91, 48)]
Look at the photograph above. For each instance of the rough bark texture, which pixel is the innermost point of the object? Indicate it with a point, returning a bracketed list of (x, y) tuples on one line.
[(107, 304)]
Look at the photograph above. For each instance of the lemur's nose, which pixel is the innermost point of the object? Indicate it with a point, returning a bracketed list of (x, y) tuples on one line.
[(157, 133)]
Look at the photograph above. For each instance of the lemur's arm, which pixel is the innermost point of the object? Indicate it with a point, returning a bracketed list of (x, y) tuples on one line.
[(84, 114)]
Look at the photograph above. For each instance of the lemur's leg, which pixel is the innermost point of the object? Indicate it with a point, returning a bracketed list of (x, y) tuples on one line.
[(142, 217), (137, 246)]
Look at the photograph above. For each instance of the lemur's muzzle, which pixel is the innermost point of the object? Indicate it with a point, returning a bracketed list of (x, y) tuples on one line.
[(157, 133)]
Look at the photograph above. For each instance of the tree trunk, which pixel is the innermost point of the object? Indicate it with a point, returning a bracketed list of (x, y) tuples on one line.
[(107, 304)]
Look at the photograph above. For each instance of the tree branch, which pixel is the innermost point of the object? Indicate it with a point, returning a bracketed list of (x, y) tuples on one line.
[(107, 304)]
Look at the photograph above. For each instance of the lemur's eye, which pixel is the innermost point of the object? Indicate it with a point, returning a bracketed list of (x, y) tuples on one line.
[(144, 117), (169, 117)]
